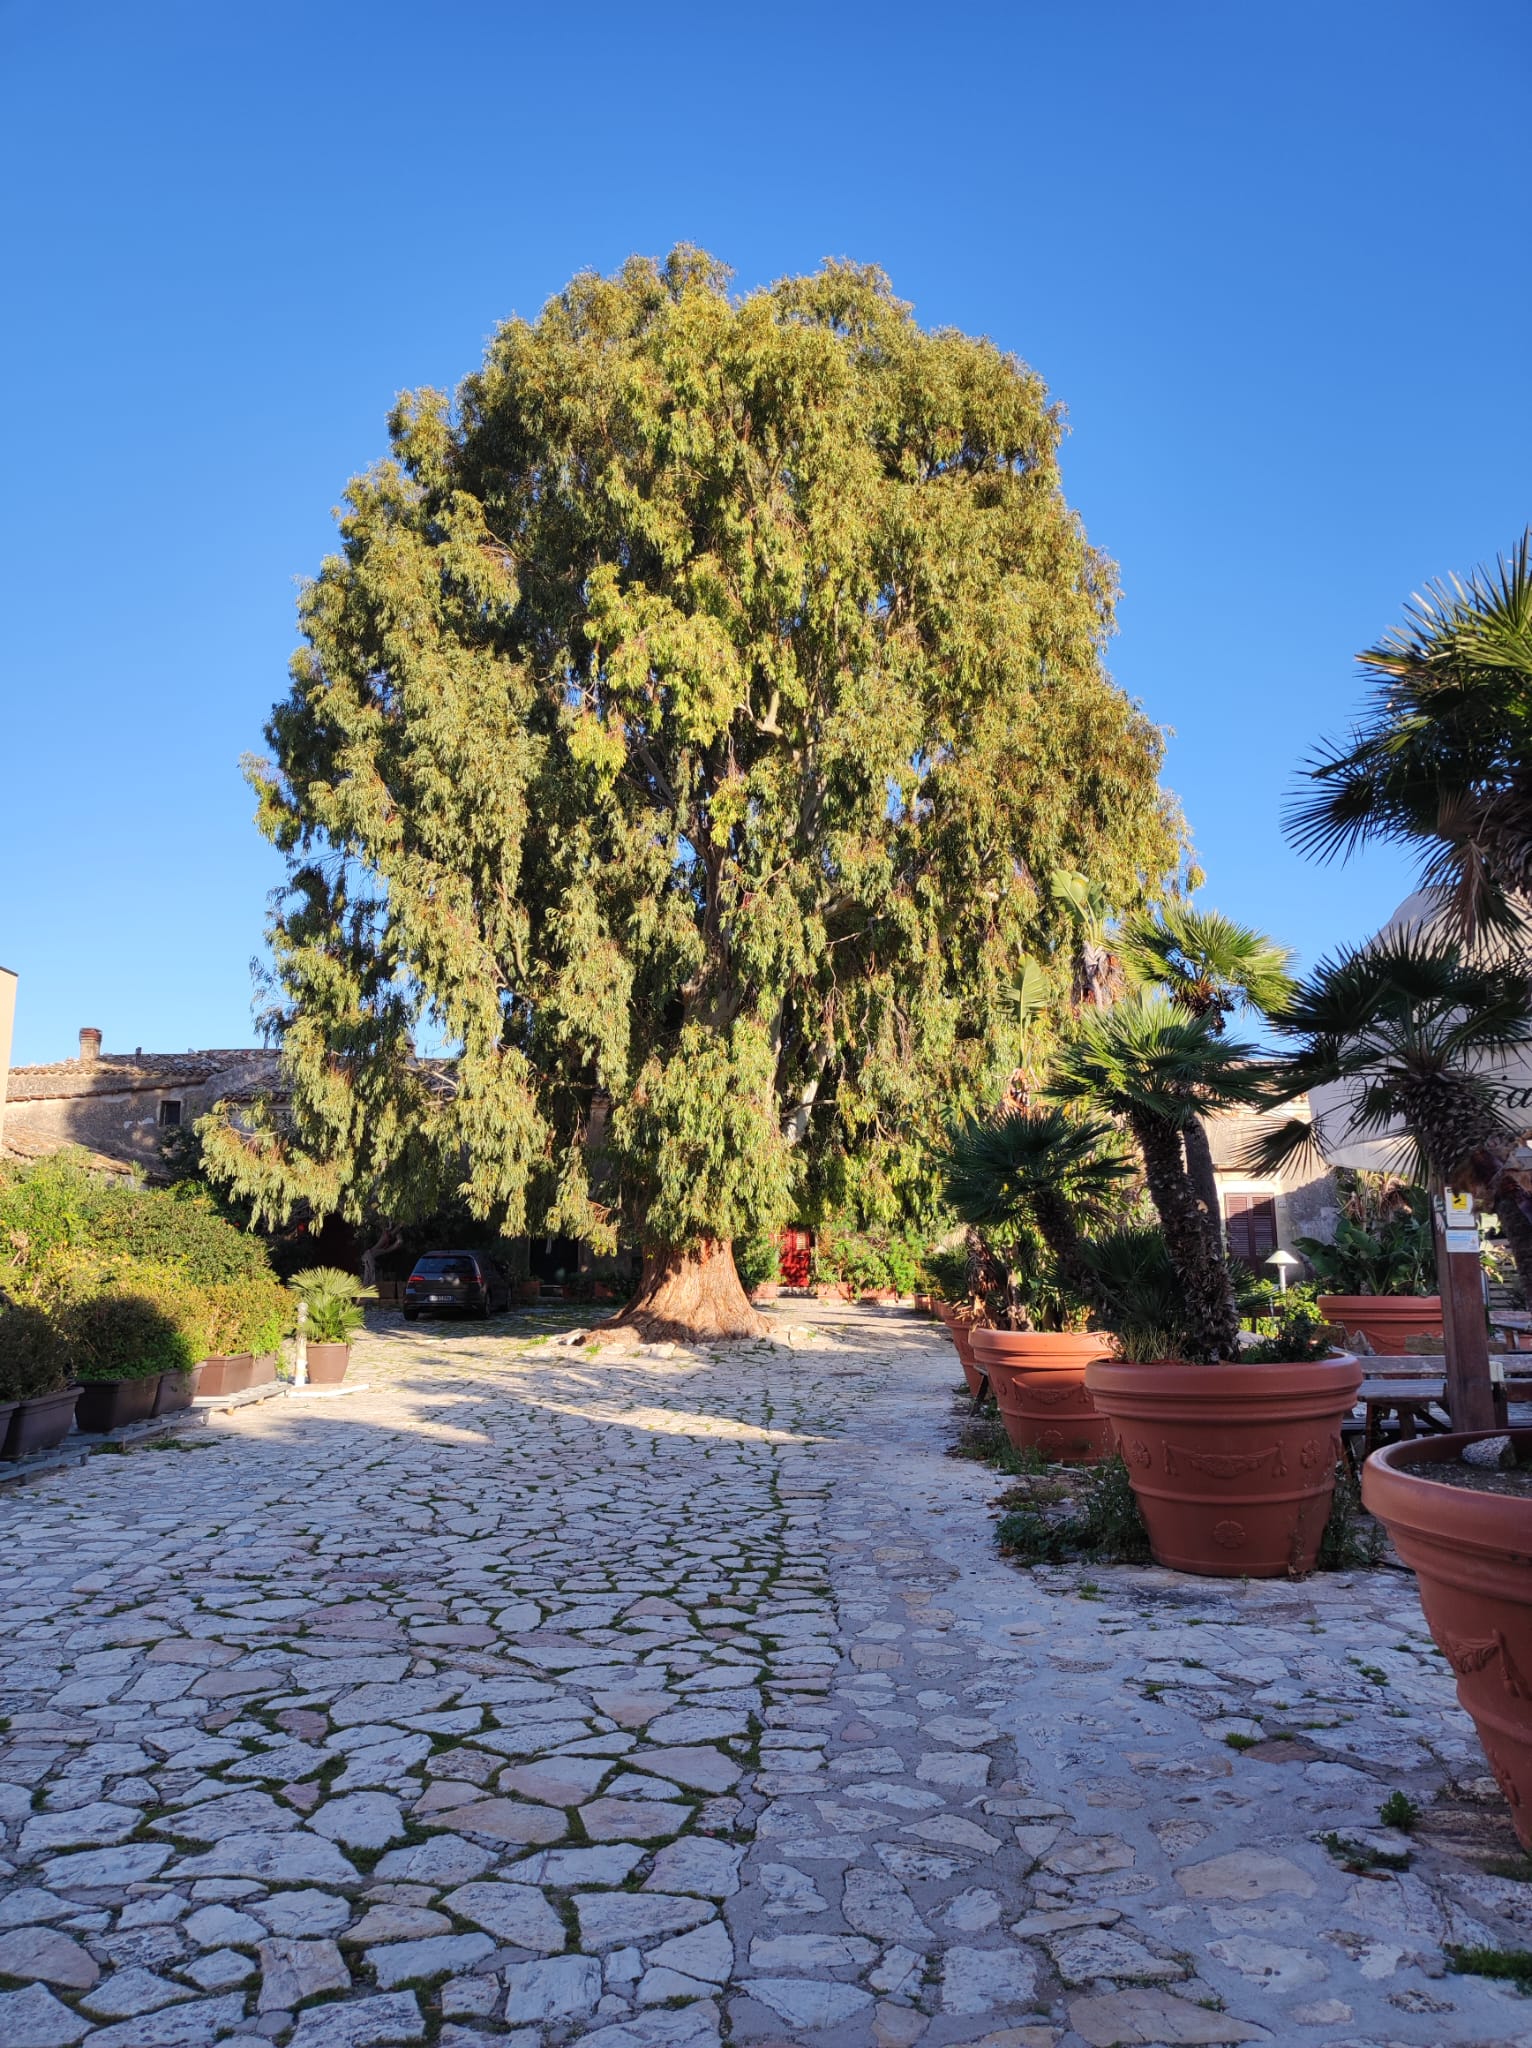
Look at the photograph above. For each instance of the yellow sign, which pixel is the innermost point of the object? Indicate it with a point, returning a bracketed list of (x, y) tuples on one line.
[(1459, 1208)]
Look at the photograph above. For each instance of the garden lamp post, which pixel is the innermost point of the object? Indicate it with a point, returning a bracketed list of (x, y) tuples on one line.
[(1284, 1263)]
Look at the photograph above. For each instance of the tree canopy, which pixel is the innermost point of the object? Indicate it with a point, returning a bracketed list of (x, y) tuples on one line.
[(682, 742)]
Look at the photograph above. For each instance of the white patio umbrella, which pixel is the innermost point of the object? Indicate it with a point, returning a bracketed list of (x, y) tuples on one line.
[(1333, 1106)]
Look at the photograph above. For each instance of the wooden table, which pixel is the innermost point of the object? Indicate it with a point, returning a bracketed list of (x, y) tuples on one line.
[(1411, 1400)]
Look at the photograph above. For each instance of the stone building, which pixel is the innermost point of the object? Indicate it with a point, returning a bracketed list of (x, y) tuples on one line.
[(1263, 1213), (120, 1107)]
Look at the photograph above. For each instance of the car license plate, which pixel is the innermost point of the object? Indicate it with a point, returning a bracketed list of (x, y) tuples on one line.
[(438, 1297)]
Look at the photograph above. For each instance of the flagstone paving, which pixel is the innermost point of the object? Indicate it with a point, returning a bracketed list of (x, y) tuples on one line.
[(664, 1700)]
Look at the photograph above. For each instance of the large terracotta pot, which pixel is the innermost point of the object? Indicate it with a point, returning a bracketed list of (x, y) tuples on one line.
[(225, 1374), (1385, 1320), (960, 1329), (1471, 1553), (1039, 1382), (1233, 1466), (40, 1424), (327, 1364)]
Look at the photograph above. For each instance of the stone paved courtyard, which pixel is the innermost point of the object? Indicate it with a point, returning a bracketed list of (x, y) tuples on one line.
[(665, 1700)]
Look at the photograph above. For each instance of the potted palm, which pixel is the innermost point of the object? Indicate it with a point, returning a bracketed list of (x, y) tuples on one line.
[(1024, 1179), (37, 1402), (1232, 1460), (331, 1299), (1379, 1267)]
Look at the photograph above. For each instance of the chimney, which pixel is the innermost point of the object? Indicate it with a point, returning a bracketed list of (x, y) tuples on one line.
[(90, 1045)]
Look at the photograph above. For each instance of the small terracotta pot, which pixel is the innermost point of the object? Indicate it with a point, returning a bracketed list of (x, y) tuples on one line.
[(767, 1291), (1233, 1466), (177, 1390), (1471, 1553), (113, 1404), (224, 1374), (1385, 1320), (529, 1290), (1039, 1382), (40, 1424), (327, 1364)]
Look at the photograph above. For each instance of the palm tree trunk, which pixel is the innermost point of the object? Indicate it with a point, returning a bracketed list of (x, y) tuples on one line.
[(1199, 1171), (1056, 1227), (1212, 1315)]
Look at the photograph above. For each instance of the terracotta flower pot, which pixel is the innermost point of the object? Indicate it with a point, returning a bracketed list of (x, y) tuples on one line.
[(263, 1369), (1039, 1382), (225, 1374), (1385, 1320), (177, 1390), (113, 1404), (960, 1328), (768, 1290), (1471, 1553), (1233, 1466), (327, 1364), (529, 1290), (40, 1424)]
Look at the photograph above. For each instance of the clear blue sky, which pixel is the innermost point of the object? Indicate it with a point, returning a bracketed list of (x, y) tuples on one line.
[(1272, 259)]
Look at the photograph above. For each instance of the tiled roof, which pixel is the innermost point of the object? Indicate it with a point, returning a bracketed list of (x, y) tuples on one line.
[(128, 1073)]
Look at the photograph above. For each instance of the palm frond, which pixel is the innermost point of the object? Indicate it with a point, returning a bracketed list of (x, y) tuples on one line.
[(1146, 1056)]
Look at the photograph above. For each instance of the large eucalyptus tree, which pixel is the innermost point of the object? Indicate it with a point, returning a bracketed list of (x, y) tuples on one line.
[(680, 736)]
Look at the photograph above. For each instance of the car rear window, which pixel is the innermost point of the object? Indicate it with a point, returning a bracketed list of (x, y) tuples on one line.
[(444, 1269)]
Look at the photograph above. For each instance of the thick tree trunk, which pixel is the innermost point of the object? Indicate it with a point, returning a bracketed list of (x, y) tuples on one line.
[(1212, 1314), (1199, 1171), (688, 1295)]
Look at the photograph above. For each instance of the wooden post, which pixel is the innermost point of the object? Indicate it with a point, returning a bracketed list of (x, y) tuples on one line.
[(1465, 1327)]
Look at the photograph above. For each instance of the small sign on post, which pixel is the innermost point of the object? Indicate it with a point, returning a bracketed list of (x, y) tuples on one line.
[(1465, 1326)]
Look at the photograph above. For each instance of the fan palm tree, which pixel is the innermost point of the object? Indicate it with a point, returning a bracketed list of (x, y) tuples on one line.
[(1209, 966), (1040, 1167), (1159, 1070), (1417, 1029), (1443, 759)]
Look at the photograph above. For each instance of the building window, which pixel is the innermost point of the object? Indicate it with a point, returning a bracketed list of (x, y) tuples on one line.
[(1251, 1223), (170, 1116)]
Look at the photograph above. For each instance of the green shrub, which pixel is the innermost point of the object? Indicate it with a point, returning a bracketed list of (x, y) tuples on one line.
[(250, 1314), (756, 1260), (122, 1336), (33, 1359)]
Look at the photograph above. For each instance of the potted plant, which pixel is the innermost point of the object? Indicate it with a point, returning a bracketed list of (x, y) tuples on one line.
[(120, 1343), (1232, 1461), (1231, 1455), (1379, 1269), (1023, 1180), (331, 1298), (1462, 1528), (760, 1266), (37, 1403)]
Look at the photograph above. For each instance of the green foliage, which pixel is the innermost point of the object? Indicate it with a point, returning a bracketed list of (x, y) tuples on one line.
[(1399, 1811), (1301, 1334), (1396, 1255), (946, 1268), (1144, 1304), (1206, 963), (680, 729), (33, 1359), (123, 1336), (757, 1259), (1514, 1964), (1441, 761), (331, 1297), (1100, 1520)]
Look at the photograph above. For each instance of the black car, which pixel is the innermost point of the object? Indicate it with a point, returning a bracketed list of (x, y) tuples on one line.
[(470, 1282)]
